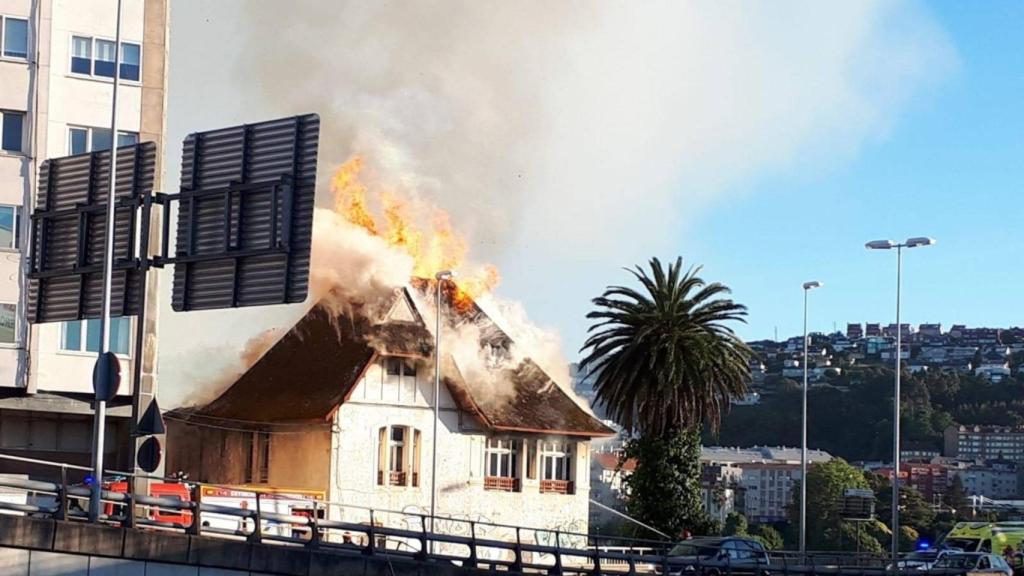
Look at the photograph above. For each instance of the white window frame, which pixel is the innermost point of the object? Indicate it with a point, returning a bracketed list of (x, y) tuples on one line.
[(92, 58), (507, 450), (17, 339), (560, 453), (84, 351), (89, 133), (24, 122), (15, 240), (409, 461), (28, 38)]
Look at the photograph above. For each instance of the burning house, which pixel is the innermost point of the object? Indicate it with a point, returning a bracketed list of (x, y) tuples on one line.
[(343, 404)]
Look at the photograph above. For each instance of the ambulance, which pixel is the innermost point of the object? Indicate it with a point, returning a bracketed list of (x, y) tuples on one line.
[(991, 537)]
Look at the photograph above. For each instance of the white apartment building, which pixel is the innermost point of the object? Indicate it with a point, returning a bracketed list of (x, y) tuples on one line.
[(767, 477), (56, 85), (342, 406)]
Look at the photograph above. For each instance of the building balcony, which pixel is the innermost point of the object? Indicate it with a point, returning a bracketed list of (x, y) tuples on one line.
[(556, 487), (501, 484), (398, 478)]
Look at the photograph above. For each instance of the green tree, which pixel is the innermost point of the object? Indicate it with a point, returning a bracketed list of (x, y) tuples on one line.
[(768, 536), (827, 483), (915, 511), (667, 364), (735, 525)]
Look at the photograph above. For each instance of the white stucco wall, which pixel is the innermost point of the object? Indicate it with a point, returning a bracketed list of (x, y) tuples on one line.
[(460, 471)]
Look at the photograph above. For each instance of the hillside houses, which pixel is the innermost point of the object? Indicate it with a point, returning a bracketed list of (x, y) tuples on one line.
[(993, 353)]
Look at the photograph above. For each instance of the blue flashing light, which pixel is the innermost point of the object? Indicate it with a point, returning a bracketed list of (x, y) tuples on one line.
[(89, 480), (923, 545)]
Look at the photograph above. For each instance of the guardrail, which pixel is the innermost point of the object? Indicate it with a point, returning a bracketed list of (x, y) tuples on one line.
[(466, 542)]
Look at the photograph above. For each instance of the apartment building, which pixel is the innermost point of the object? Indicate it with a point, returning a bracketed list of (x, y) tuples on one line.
[(766, 479), (57, 63), (984, 443)]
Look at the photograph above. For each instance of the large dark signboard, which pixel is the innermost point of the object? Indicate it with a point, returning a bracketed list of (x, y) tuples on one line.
[(68, 228), (245, 215)]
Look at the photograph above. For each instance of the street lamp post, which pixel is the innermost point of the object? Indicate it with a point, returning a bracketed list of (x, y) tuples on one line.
[(438, 279), (808, 286), (889, 245)]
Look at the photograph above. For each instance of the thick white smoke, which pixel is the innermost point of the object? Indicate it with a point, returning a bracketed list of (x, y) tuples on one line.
[(566, 138)]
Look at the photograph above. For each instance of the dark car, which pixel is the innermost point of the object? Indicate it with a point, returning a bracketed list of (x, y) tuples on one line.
[(715, 556)]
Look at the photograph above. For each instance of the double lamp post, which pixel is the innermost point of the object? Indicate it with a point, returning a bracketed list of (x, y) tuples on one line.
[(808, 286)]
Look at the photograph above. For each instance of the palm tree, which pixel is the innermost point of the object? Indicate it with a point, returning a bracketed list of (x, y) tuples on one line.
[(666, 363), (665, 358)]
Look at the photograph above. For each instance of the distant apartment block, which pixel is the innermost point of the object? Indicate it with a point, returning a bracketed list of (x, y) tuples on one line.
[(766, 478), (984, 443), (854, 331)]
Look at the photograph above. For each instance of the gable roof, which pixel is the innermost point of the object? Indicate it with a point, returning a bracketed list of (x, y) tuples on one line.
[(314, 367)]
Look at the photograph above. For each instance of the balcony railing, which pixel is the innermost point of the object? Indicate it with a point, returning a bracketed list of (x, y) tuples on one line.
[(556, 487), (501, 483), (394, 478)]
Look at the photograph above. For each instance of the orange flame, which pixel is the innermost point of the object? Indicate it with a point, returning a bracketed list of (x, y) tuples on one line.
[(440, 247)]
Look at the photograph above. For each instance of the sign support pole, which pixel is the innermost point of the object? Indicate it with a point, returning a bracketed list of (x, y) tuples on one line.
[(99, 421)]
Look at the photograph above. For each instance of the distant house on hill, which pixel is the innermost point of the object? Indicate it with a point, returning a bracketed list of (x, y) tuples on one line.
[(344, 403)]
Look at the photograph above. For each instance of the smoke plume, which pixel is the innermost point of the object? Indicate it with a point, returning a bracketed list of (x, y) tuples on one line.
[(560, 135)]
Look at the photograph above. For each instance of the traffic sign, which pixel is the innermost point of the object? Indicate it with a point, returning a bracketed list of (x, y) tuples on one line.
[(106, 376), (150, 454)]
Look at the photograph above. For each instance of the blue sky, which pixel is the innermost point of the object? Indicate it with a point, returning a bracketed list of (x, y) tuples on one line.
[(951, 167)]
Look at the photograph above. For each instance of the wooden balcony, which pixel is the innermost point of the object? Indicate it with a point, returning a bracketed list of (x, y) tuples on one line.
[(556, 487), (501, 484)]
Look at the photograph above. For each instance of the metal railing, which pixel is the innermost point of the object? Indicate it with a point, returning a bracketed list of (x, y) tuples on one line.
[(295, 519)]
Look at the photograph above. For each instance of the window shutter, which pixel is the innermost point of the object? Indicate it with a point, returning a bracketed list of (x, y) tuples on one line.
[(476, 452), (382, 454), (416, 444), (530, 454)]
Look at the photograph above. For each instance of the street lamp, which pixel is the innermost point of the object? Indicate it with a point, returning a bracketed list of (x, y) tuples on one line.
[(439, 278), (808, 286), (889, 245)]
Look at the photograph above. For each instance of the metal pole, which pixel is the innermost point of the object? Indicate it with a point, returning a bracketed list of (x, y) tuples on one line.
[(896, 419), (803, 446), (99, 420), (437, 409)]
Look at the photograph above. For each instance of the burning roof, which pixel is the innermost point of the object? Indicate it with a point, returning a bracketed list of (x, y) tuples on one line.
[(315, 366)]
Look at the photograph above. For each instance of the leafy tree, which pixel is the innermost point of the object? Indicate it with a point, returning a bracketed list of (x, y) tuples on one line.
[(664, 489), (667, 363), (768, 536), (915, 511), (827, 483), (735, 525)]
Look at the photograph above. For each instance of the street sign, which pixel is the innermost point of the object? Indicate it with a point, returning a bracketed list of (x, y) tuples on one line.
[(858, 504), (150, 454), (106, 376), (245, 215), (152, 422), (65, 265)]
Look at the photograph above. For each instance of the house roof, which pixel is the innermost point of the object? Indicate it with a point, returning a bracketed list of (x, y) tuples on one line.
[(313, 368), (610, 461)]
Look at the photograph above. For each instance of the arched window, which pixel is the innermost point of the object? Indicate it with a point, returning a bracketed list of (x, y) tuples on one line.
[(398, 456)]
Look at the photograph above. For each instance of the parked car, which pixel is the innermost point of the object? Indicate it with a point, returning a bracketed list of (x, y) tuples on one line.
[(975, 563), (716, 556)]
